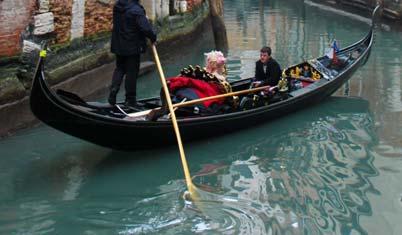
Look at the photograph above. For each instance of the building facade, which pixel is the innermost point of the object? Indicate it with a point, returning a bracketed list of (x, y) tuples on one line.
[(23, 21)]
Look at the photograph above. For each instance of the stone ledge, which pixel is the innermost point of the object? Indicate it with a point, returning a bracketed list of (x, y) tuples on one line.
[(80, 65), (10, 89), (85, 84), (10, 122)]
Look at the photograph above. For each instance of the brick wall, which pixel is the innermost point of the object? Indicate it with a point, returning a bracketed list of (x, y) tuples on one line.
[(98, 16), (15, 16), (62, 19)]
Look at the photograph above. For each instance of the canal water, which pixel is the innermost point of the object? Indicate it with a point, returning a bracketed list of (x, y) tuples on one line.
[(334, 168)]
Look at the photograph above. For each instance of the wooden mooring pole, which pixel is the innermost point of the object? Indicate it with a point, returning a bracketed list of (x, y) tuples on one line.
[(218, 25)]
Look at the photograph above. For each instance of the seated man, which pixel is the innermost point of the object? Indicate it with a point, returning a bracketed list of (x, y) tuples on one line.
[(267, 70), (307, 74), (306, 71)]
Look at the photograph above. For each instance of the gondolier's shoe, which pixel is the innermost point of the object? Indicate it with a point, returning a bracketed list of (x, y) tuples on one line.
[(112, 100), (132, 104), (112, 96)]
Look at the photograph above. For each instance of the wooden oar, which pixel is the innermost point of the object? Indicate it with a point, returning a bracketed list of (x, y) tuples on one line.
[(197, 101), (175, 108), (174, 121)]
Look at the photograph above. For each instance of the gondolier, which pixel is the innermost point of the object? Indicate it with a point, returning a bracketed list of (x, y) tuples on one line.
[(130, 30)]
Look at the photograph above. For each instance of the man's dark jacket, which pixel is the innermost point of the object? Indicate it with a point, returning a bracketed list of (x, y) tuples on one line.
[(130, 28), (272, 75)]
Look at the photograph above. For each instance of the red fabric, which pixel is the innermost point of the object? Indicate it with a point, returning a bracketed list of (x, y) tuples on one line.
[(201, 88), (305, 83)]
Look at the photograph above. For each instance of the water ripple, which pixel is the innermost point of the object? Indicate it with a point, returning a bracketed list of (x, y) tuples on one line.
[(315, 185)]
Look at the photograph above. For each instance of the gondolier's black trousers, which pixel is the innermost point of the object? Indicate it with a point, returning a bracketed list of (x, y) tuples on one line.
[(128, 66)]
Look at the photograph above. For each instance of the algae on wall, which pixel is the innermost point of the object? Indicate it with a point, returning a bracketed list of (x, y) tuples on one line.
[(71, 57)]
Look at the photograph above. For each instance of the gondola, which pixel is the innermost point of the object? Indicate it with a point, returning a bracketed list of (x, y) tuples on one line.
[(119, 127)]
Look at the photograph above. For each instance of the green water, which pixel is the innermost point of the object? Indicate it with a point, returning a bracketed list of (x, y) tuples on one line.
[(334, 168)]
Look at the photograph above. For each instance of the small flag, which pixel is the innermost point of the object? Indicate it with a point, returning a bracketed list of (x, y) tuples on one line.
[(335, 50), (331, 52), (335, 46)]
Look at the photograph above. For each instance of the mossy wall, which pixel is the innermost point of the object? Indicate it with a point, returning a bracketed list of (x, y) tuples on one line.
[(71, 57)]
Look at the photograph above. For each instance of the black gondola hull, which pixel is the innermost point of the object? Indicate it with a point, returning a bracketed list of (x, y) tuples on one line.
[(129, 135)]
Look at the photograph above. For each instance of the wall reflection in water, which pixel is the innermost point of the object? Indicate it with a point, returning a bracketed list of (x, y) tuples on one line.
[(309, 177)]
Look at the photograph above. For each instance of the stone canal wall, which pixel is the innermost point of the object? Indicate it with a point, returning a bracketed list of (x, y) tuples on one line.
[(392, 9), (79, 35), (77, 30)]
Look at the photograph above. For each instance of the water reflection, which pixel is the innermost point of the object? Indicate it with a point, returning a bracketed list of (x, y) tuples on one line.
[(306, 173), (311, 178)]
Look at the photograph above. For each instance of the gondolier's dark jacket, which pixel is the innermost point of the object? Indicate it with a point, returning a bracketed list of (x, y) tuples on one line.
[(130, 28), (271, 76)]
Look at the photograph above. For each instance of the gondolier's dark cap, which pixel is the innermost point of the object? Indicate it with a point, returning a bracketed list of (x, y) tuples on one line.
[(126, 1), (129, 5)]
